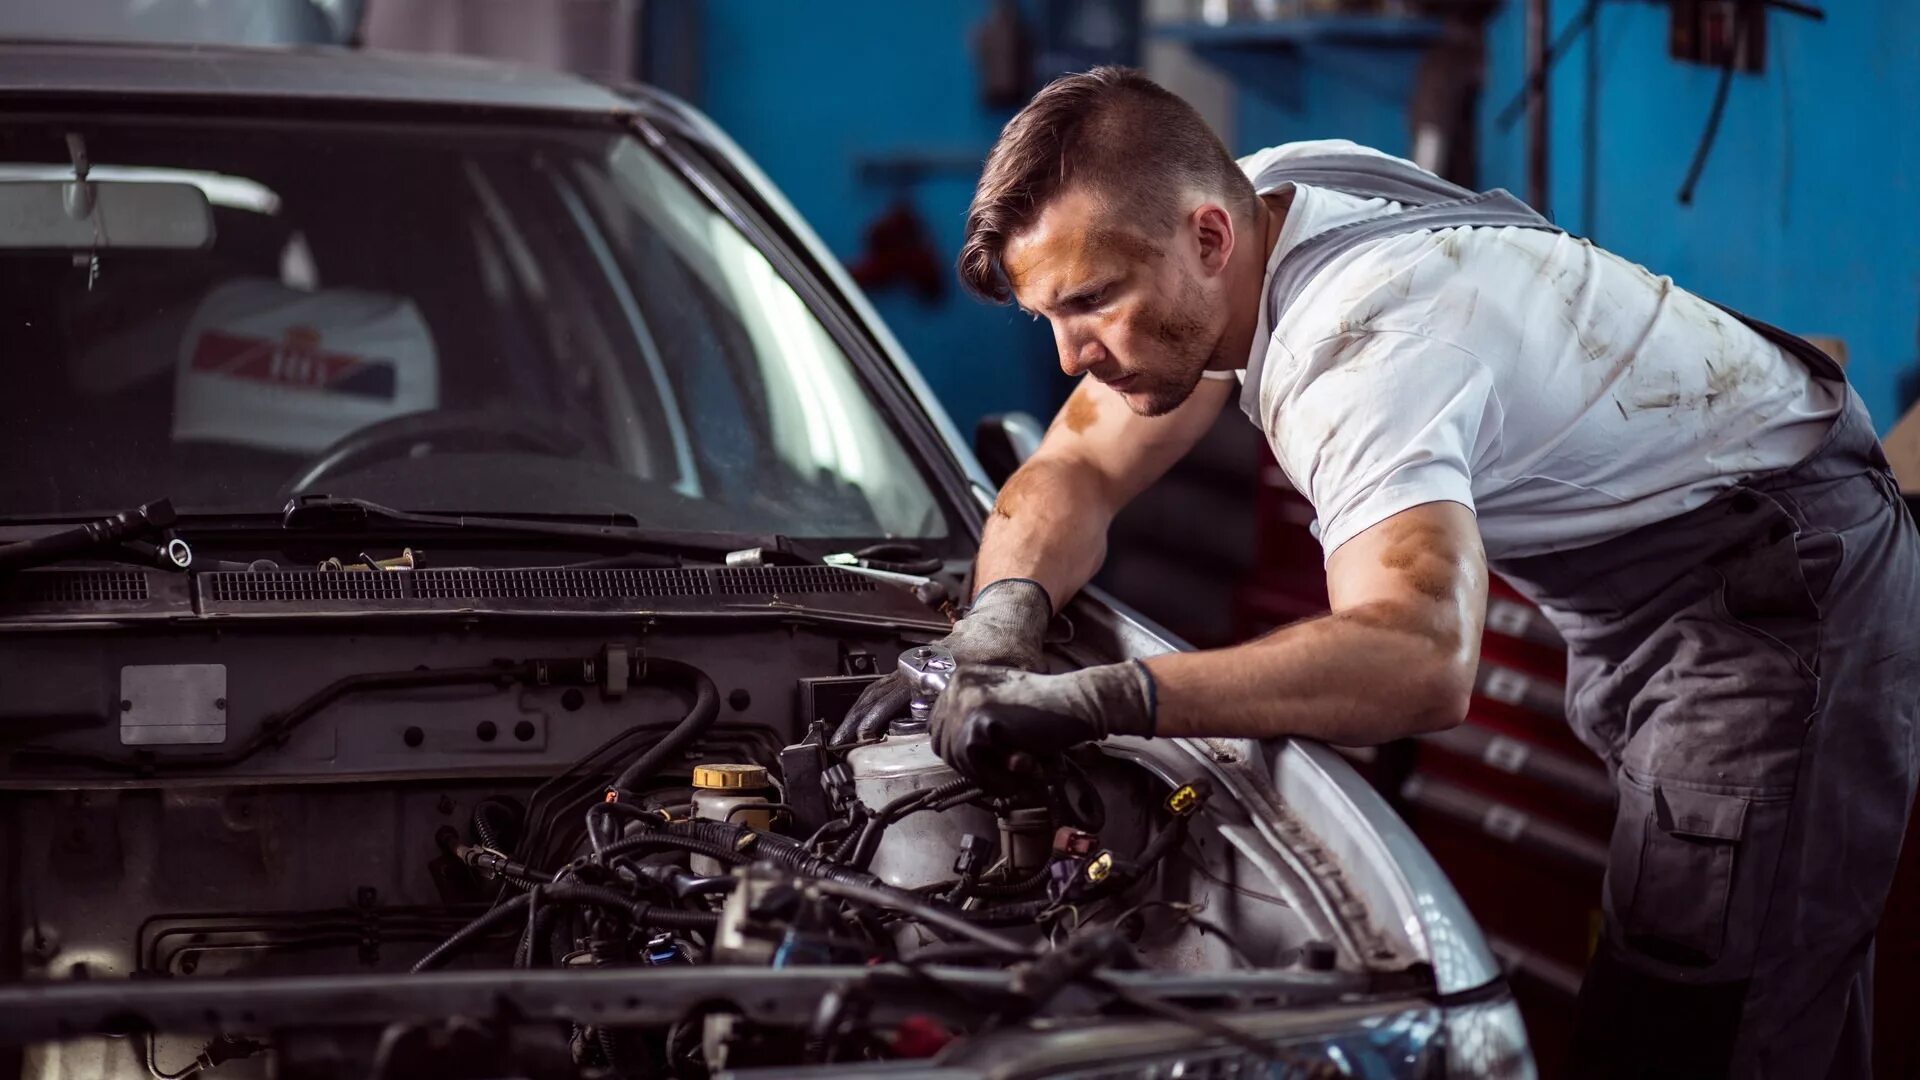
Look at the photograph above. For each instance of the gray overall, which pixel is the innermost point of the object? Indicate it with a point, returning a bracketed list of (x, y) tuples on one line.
[(1750, 673)]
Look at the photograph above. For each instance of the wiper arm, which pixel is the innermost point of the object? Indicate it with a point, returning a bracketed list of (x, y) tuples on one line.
[(312, 513), (109, 535)]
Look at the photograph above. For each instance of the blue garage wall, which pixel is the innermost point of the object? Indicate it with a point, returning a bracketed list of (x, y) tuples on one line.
[(809, 89), (1319, 92), (1806, 214)]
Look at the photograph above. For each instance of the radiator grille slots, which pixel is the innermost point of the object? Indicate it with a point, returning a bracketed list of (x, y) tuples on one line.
[(283, 586), (74, 587), (557, 584), (426, 586), (789, 579)]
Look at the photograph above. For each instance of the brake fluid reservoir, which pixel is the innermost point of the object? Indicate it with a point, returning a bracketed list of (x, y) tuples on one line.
[(918, 849), (719, 794)]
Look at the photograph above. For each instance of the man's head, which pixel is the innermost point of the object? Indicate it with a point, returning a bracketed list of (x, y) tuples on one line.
[(1109, 207)]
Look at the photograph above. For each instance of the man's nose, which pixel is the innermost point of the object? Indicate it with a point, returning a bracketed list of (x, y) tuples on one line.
[(1077, 354)]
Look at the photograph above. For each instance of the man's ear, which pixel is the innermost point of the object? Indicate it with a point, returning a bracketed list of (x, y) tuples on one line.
[(1213, 230)]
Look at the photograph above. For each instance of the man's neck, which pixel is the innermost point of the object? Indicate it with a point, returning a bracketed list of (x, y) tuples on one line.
[(1249, 279)]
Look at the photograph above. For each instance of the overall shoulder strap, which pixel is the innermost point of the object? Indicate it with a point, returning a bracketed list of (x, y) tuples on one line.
[(1369, 176), (1434, 204)]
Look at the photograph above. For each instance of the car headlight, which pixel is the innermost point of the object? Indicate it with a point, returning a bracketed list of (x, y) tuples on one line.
[(1487, 1039)]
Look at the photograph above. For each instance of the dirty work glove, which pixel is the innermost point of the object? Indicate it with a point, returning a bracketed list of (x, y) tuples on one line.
[(1003, 628), (991, 722)]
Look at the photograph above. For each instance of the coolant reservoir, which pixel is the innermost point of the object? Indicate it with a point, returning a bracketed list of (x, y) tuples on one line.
[(719, 793), (918, 849)]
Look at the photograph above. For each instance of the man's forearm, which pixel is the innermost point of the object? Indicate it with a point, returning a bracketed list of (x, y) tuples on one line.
[(1049, 524), (1359, 677)]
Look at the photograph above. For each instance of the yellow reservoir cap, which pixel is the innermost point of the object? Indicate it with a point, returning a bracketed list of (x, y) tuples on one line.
[(729, 777)]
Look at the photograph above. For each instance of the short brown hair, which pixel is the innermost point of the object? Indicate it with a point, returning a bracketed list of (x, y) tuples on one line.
[(1140, 147)]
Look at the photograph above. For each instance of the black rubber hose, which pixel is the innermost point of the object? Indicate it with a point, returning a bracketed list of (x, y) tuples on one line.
[(479, 927), (538, 914), (778, 850), (553, 801), (706, 709), (697, 845), (496, 822), (884, 896)]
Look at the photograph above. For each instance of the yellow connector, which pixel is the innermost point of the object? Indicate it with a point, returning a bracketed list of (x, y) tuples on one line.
[(1099, 867), (1183, 800)]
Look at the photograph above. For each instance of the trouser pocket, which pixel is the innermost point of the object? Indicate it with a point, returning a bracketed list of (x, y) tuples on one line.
[(1671, 878)]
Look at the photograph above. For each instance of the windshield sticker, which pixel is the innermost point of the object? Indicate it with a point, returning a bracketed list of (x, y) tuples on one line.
[(295, 361)]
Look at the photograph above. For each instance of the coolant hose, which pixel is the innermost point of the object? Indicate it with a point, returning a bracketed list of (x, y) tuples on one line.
[(695, 844), (706, 709)]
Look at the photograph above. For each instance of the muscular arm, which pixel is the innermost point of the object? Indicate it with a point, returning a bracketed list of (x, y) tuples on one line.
[(1050, 522), (1396, 657)]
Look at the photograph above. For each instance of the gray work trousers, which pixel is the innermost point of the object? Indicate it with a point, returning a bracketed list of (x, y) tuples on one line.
[(1750, 674)]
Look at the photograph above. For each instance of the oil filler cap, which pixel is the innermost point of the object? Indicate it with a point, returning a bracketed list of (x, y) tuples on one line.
[(729, 777)]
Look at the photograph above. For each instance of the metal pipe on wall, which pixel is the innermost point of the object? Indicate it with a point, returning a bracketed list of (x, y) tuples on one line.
[(1536, 29)]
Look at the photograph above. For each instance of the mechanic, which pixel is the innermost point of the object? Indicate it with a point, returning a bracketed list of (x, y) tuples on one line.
[(1697, 500)]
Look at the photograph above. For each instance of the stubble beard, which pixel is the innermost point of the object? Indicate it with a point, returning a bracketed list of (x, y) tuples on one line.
[(1182, 330)]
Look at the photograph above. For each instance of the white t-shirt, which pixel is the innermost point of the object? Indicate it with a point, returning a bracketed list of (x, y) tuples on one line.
[(1564, 394)]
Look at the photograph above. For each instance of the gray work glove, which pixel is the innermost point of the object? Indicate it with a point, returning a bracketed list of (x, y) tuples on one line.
[(1003, 628), (990, 723)]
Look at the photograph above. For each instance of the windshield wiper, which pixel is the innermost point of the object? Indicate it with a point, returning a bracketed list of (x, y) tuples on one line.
[(143, 535), (127, 534), (332, 513)]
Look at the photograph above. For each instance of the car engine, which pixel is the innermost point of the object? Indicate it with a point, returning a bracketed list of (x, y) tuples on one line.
[(674, 803)]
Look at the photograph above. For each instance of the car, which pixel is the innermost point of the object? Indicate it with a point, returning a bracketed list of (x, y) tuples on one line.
[(450, 508)]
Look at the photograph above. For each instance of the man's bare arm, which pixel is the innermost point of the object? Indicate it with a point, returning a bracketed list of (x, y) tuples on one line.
[(1050, 522), (1396, 657)]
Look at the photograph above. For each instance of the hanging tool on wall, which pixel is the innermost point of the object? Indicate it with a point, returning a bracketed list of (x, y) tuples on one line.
[(897, 247), (1728, 33), (1738, 29)]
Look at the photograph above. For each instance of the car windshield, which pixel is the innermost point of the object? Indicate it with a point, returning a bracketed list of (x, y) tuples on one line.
[(535, 319)]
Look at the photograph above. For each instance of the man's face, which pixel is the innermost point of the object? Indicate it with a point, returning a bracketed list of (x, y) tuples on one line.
[(1142, 314)]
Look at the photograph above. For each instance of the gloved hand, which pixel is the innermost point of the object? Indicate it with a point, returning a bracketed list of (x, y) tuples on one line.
[(988, 715), (1003, 628)]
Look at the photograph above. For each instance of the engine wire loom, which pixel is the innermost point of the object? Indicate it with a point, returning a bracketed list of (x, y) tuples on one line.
[(616, 889)]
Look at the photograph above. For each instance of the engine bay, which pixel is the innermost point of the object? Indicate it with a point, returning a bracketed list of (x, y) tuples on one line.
[(388, 800)]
